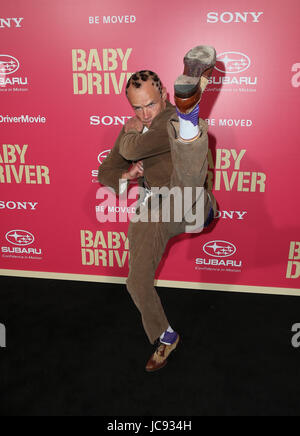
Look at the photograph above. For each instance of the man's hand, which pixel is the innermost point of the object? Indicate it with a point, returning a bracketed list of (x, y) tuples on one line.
[(134, 124), (136, 171)]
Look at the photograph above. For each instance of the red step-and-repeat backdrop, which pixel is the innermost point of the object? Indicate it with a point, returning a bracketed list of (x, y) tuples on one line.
[(64, 65)]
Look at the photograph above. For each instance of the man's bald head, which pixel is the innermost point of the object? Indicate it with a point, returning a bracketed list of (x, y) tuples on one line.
[(146, 95), (137, 80)]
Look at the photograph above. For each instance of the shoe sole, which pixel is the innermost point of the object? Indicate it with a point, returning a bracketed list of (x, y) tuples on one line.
[(199, 64)]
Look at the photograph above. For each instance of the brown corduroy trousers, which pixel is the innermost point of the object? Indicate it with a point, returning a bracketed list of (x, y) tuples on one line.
[(148, 240)]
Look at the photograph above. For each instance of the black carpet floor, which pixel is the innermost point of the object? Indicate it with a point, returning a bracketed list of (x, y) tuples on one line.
[(79, 349)]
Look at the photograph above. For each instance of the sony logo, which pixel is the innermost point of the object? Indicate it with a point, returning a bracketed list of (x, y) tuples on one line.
[(18, 205), (233, 214), (109, 120), (233, 17), (10, 22)]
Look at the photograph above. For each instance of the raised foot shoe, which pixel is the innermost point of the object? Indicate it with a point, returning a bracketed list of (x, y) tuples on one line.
[(159, 359), (189, 87)]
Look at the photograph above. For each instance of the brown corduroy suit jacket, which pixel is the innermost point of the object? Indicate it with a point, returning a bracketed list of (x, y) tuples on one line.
[(153, 147)]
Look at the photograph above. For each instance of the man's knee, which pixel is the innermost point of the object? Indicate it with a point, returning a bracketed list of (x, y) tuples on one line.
[(130, 286), (132, 289), (136, 290), (137, 281)]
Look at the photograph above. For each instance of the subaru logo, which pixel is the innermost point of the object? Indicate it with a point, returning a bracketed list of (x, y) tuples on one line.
[(19, 237), (102, 156), (219, 249), (9, 64), (234, 62)]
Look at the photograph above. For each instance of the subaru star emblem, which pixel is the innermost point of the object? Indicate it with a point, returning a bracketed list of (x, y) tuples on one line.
[(219, 249), (19, 237), (102, 156), (234, 62), (9, 64)]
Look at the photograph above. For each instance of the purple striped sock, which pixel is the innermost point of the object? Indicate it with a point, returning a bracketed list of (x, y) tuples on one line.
[(193, 117), (169, 338)]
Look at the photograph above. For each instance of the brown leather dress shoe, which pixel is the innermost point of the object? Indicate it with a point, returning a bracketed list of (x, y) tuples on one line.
[(189, 87), (159, 359)]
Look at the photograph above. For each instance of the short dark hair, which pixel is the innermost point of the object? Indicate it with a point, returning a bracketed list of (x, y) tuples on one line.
[(139, 77)]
